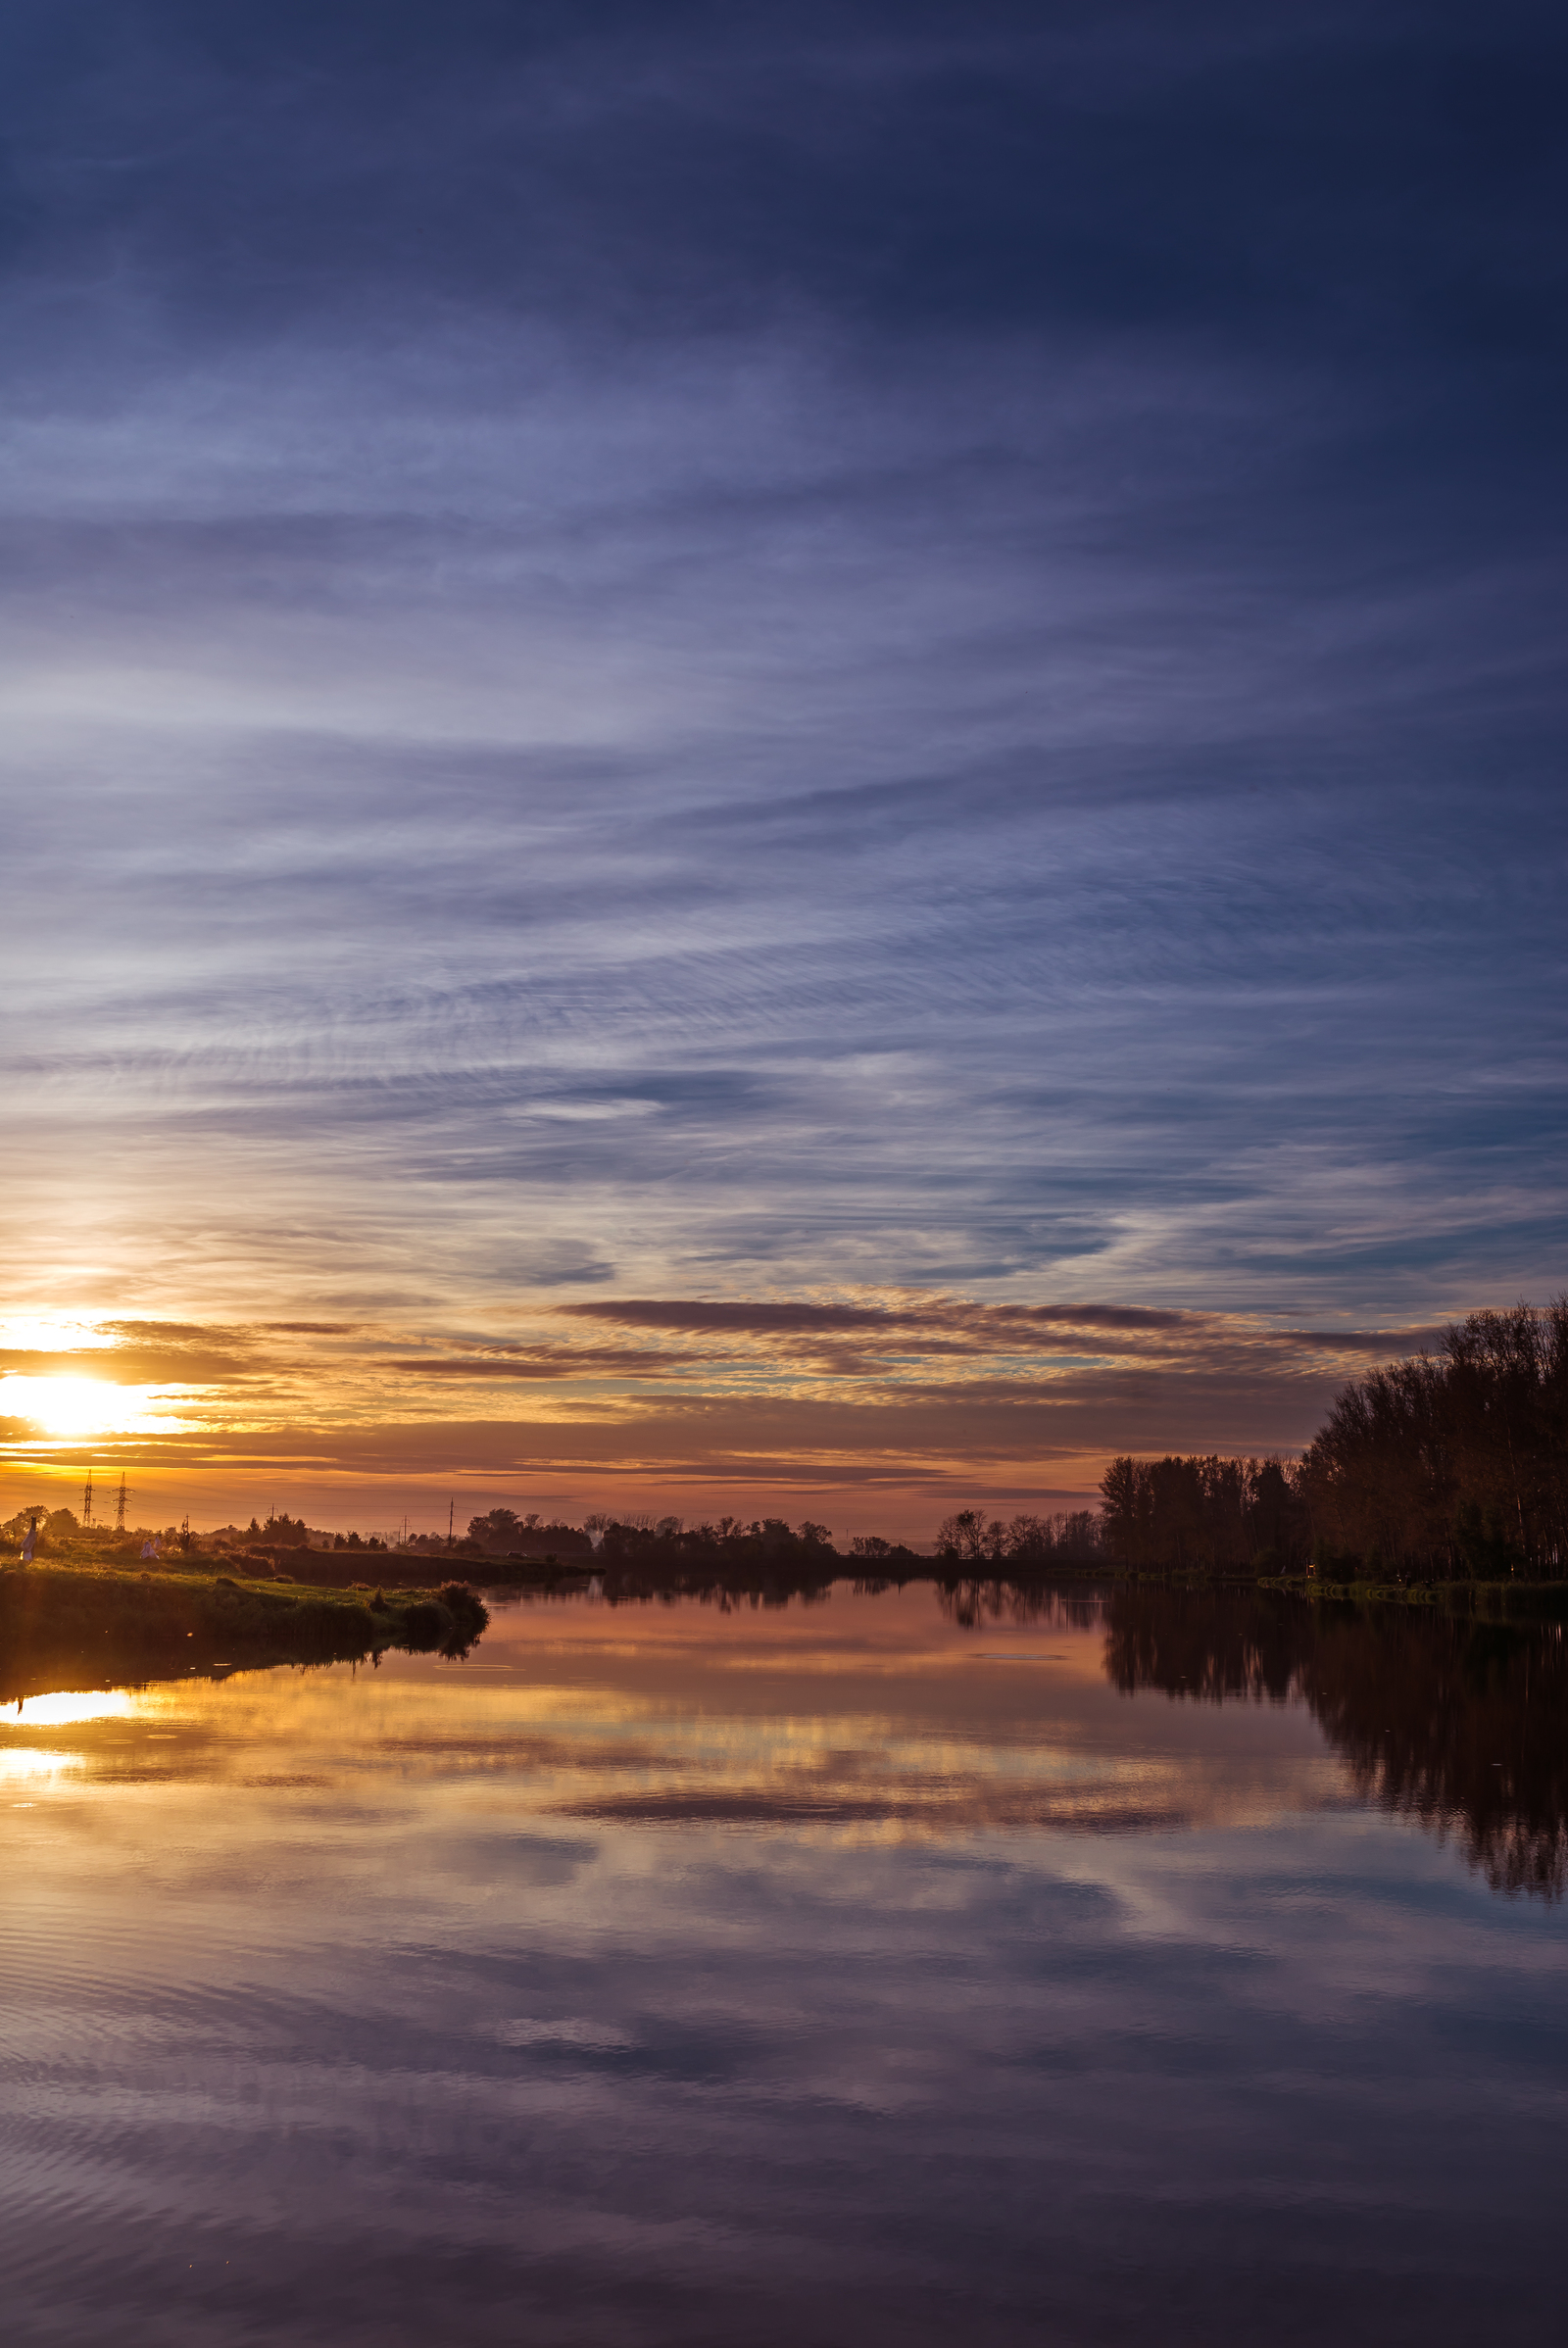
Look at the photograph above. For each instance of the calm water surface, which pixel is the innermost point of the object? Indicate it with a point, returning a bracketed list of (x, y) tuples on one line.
[(884, 1969)]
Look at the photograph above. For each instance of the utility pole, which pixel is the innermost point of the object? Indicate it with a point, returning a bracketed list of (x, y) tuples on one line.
[(86, 1501), (120, 1512), (450, 1507)]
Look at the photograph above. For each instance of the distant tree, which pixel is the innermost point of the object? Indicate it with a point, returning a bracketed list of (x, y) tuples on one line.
[(1206, 1512), (497, 1529), (961, 1538)]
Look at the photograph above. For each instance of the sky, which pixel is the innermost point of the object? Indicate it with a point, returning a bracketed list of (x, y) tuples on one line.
[(767, 759)]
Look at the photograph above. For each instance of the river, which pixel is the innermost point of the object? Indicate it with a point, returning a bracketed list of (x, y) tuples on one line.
[(904, 1966)]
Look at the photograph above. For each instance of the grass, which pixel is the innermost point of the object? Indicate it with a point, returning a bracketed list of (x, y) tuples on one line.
[(117, 1623), (1488, 1599)]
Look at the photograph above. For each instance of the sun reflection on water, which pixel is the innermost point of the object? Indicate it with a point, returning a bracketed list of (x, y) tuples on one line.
[(69, 1707), (26, 1764)]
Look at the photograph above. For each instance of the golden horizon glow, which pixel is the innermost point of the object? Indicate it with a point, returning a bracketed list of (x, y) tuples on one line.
[(875, 1409)]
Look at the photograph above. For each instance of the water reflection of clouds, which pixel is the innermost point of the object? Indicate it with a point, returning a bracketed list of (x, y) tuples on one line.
[(862, 1721), (859, 1721), (576, 2031), (345, 1992)]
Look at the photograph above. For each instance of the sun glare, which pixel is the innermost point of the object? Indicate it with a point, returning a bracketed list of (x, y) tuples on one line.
[(50, 1332), (70, 1708), (88, 1406)]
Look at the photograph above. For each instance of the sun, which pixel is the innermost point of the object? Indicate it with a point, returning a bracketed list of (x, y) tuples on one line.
[(69, 1406)]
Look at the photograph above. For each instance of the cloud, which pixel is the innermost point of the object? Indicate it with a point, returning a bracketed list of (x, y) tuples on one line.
[(899, 1407), (787, 667), (310, 1328), (546, 1362), (762, 1318), (748, 1318)]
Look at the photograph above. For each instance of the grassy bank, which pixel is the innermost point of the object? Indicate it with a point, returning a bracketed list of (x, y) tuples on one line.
[(262, 1561), (1489, 1600), (409, 1568), (1493, 1600), (100, 1623)]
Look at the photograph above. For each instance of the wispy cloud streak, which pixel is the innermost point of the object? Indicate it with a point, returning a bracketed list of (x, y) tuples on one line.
[(731, 660)]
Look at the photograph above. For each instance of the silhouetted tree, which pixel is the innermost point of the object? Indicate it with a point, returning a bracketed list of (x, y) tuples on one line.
[(1455, 1465), (1206, 1513), (1027, 1544)]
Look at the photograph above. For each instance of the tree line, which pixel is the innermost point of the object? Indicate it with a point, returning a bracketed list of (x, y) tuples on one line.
[(1024, 1544), (1452, 1465), (641, 1539), (1209, 1513)]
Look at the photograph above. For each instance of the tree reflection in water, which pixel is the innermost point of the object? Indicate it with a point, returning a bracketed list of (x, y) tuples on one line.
[(1456, 1723), (970, 1603), (1459, 1724)]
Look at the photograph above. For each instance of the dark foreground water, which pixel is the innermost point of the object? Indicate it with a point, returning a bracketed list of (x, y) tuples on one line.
[(1159, 1969)]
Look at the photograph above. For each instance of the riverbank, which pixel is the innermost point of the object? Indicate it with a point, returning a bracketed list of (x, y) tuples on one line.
[(398, 1569), (107, 1624), (747, 1583), (1493, 1601), (264, 1561)]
